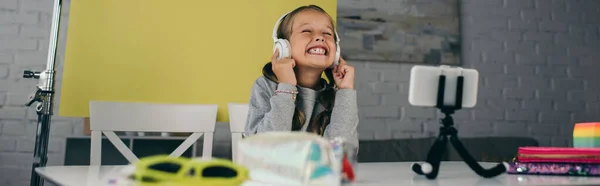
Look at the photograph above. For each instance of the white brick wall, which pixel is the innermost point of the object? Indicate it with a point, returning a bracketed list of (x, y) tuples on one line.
[(538, 61)]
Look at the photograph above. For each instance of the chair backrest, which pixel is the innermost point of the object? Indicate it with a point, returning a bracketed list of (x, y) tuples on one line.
[(238, 113), (107, 117), (152, 117)]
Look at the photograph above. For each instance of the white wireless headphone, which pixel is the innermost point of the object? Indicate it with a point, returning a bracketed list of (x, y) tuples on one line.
[(284, 47)]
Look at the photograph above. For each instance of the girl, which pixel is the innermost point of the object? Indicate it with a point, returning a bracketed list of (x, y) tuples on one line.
[(292, 96)]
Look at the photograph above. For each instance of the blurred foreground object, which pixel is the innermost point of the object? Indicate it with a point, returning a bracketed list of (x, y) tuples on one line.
[(291, 158), (182, 171)]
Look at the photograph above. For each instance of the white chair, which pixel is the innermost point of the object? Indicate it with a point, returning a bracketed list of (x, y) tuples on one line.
[(237, 122), (107, 117)]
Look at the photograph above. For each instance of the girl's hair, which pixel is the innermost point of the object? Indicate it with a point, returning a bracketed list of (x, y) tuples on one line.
[(326, 98)]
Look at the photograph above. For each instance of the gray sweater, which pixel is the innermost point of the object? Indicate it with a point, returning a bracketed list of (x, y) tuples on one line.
[(273, 112)]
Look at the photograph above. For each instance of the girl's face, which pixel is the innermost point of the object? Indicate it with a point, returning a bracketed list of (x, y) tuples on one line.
[(312, 40)]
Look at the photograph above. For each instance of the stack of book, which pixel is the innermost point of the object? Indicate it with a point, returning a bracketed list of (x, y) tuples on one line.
[(570, 161)]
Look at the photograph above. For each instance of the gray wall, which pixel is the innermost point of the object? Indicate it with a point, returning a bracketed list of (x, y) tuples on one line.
[(538, 62)]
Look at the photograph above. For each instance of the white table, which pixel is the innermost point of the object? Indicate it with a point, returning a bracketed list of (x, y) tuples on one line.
[(368, 174)]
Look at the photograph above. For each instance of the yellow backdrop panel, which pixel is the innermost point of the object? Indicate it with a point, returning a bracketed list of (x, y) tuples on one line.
[(180, 51)]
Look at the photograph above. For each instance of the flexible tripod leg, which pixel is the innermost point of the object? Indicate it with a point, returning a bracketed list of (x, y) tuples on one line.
[(467, 158), (432, 165)]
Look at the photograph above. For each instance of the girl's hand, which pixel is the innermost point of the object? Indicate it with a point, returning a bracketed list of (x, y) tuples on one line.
[(343, 74), (284, 69)]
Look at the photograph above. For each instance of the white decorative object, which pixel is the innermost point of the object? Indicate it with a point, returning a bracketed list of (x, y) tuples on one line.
[(290, 158)]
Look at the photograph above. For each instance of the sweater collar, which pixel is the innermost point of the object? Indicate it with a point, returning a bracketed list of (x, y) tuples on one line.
[(311, 94)]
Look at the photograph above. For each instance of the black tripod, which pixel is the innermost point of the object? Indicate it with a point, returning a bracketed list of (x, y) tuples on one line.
[(431, 168)]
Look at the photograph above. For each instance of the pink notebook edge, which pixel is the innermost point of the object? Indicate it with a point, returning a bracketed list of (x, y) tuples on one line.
[(559, 149)]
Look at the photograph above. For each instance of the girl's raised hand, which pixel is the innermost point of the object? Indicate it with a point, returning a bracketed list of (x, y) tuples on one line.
[(343, 75), (283, 69)]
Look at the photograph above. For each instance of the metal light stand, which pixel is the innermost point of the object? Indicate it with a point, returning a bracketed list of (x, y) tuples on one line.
[(430, 168), (44, 94)]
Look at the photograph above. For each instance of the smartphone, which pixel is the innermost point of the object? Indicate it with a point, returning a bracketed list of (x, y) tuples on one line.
[(424, 81)]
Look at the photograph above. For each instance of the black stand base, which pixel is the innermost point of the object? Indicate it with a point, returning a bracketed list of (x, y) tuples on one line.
[(431, 168), (40, 152), (44, 113)]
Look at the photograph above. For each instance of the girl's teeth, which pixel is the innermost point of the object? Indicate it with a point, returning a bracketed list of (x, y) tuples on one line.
[(316, 51)]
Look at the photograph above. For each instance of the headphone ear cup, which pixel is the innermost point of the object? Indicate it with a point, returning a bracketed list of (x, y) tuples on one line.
[(337, 54), (336, 61), (283, 45)]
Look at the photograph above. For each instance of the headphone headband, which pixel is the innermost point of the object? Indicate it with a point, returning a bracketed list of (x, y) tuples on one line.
[(274, 36), (277, 25)]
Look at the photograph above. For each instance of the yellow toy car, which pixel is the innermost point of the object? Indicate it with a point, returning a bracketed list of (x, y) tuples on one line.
[(181, 171)]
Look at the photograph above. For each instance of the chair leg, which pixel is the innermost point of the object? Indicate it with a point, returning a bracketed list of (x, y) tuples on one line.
[(235, 138), (96, 148), (207, 146)]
